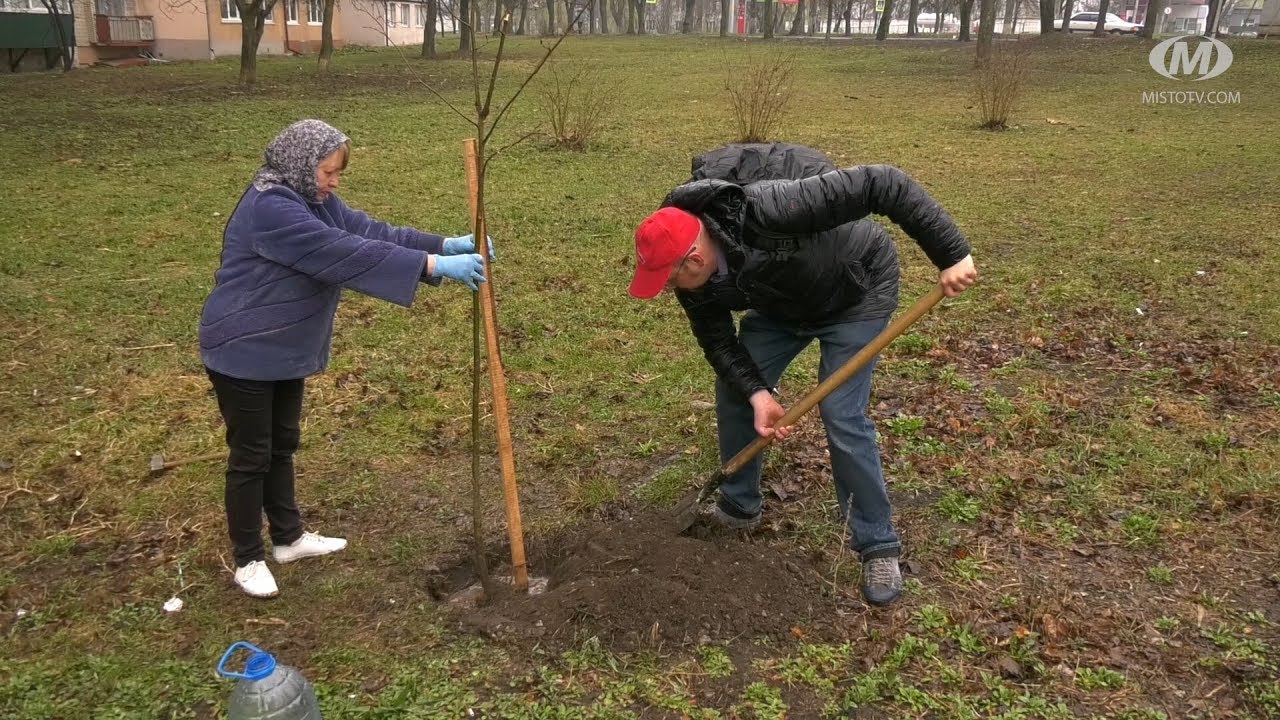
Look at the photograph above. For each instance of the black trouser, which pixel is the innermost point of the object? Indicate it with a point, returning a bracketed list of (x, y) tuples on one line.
[(262, 420)]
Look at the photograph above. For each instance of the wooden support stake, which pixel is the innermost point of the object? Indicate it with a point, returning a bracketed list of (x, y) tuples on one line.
[(497, 376)]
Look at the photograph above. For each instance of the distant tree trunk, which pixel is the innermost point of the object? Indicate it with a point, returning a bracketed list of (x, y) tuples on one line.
[(724, 18), (551, 17), (797, 24), (1007, 26), (1152, 22), (1100, 28), (1211, 23), (326, 37), (986, 29), (253, 18), (1067, 7), (831, 10), (912, 11), (603, 13), (65, 44), (886, 17), (640, 17), (524, 12), (966, 19), (767, 21), (429, 31), (1046, 16), (466, 34)]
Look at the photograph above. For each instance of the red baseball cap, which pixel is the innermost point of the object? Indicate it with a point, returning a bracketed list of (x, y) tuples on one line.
[(662, 239)]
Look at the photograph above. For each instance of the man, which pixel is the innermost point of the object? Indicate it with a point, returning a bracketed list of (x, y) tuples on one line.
[(801, 257)]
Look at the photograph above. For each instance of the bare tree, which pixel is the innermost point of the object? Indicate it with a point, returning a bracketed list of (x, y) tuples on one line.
[(429, 30), (253, 18), (1067, 7), (1046, 16), (1154, 9), (686, 23), (65, 43), (1100, 28), (797, 25), (912, 12), (986, 29), (886, 17), (767, 21), (326, 36), (966, 19)]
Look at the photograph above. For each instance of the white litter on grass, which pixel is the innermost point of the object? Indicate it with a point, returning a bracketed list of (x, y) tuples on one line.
[(1201, 272), (21, 613), (173, 604), (1140, 311)]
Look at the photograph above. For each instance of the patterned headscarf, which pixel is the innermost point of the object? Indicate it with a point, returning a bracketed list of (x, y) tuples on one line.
[(292, 158)]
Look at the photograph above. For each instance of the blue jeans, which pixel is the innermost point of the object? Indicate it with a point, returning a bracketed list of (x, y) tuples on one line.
[(851, 436)]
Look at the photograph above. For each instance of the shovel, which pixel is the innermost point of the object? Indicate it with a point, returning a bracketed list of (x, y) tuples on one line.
[(688, 509)]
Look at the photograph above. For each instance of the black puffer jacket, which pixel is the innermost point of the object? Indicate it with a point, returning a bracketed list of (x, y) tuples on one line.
[(798, 244)]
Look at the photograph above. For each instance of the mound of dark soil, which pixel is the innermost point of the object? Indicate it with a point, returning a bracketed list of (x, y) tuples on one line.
[(634, 583)]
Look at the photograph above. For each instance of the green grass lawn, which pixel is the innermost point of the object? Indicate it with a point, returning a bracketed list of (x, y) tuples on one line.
[(1082, 449)]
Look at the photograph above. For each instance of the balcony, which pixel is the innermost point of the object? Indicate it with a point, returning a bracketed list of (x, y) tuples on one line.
[(119, 31)]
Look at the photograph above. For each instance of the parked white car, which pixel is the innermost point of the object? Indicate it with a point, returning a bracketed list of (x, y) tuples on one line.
[(1087, 21)]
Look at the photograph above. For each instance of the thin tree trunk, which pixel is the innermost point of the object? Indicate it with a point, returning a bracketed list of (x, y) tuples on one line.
[(640, 17), (767, 21), (966, 19), (831, 10), (1100, 28), (604, 16), (1067, 7), (686, 24), (1152, 22), (1007, 26), (64, 43), (724, 18), (253, 17), (524, 12), (1211, 24), (886, 17), (797, 24), (326, 37), (986, 29), (551, 17), (429, 31), (465, 30), (913, 10)]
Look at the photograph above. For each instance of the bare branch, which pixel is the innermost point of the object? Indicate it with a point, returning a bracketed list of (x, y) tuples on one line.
[(409, 64), (472, 13), (505, 148), (497, 61), (568, 28)]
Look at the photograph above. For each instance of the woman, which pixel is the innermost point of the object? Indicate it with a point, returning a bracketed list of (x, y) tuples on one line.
[(288, 250)]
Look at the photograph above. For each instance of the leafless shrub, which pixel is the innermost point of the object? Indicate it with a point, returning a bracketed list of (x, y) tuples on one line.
[(760, 94)]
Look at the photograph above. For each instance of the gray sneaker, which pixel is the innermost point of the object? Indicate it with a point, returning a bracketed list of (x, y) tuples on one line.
[(725, 520), (881, 580)]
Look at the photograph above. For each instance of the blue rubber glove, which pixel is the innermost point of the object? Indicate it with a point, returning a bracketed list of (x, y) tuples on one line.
[(467, 269), (465, 244)]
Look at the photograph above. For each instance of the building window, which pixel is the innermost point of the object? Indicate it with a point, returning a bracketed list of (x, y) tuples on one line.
[(291, 12), (230, 12), (391, 14), (116, 8), (422, 15), (315, 12)]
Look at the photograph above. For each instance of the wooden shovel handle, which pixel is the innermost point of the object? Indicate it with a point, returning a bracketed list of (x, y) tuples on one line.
[(838, 378)]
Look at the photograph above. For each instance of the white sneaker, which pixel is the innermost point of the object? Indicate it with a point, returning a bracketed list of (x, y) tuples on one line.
[(256, 580), (310, 544)]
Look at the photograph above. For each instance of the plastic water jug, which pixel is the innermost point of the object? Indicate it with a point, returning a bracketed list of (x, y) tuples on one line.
[(267, 690)]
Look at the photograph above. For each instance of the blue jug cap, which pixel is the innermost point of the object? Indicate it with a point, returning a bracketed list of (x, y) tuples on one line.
[(260, 665)]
